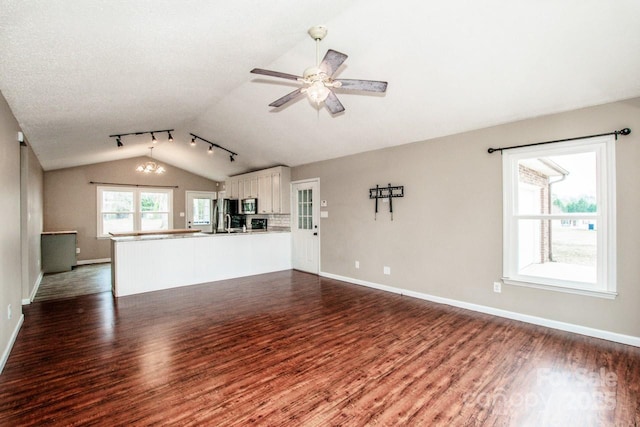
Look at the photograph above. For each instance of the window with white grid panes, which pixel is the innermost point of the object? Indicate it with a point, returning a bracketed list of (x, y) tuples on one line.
[(305, 205)]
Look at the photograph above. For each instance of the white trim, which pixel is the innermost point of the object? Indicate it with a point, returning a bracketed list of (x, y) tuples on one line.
[(93, 261), (316, 216), (541, 321), (27, 301), (137, 213), (605, 282), (566, 289), (12, 340), (187, 208)]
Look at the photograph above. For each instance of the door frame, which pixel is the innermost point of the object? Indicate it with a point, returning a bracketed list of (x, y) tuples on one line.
[(316, 216), (187, 193)]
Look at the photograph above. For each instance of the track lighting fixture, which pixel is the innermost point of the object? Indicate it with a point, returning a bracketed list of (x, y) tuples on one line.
[(211, 145), (154, 140), (118, 136)]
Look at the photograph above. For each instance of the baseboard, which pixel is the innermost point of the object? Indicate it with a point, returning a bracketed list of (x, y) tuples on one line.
[(541, 321), (12, 340), (28, 301), (93, 261)]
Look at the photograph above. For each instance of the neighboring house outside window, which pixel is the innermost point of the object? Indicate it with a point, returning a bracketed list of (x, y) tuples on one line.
[(559, 216), (130, 209)]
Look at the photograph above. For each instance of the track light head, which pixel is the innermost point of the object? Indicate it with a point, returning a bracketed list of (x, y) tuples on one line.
[(210, 151), (119, 142), (231, 158), (153, 138), (193, 141), (170, 136)]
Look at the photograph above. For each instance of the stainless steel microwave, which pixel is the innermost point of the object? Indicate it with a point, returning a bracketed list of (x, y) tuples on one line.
[(249, 206)]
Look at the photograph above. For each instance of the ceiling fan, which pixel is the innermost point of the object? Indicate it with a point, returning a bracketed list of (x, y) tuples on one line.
[(318, 80)]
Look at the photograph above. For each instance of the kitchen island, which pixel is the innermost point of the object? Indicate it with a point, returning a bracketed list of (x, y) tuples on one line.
[(161, 261)]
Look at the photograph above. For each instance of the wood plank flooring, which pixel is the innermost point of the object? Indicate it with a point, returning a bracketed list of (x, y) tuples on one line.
[(82, 280), (291, 348)]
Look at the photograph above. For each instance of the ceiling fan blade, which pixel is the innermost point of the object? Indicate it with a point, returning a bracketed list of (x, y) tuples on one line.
[(333, 103), (366, 85), (288, 97), (275, 74), (332, 61)]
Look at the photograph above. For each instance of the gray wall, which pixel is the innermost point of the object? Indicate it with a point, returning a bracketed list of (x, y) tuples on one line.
[(10, 253), (70, 201), (31, 212), (446, 237)]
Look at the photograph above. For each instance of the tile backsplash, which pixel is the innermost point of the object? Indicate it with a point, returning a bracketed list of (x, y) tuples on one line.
[(273, 220)]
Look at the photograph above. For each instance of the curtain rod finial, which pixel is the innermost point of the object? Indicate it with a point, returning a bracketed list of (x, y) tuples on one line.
[(625, 131)]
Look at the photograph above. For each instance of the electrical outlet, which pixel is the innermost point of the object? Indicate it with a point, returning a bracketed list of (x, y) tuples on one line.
[(9, 312), (357, 264), (497, 287), (77, 250), (386, 270)]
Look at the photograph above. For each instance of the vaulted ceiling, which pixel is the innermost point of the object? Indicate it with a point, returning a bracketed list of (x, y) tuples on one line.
[(76, 71)]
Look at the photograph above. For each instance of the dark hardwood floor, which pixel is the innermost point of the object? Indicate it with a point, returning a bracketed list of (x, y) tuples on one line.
[(291, 348)]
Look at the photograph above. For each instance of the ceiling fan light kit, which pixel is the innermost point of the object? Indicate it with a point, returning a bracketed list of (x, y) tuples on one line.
[(318, 80)]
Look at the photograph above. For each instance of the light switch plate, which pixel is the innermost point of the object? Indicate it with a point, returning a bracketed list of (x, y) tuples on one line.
[(324, 214)]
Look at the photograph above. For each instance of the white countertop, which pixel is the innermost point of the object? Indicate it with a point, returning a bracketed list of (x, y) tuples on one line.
[(197, 235)]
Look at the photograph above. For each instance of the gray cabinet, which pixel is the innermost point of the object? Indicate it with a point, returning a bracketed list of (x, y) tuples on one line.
[(58, 251)]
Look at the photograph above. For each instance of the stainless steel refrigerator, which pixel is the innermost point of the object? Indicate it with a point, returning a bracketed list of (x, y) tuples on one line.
[(221, 209)]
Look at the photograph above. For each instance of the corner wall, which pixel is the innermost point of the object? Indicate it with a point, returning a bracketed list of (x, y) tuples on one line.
[(70, 200), (31, 212), (10, 253), (446, 236)]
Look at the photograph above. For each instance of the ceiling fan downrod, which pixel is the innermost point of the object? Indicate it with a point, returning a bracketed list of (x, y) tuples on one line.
[(318, 32)]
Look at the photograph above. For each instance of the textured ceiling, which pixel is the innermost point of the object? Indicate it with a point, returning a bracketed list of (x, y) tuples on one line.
[(76, 71)]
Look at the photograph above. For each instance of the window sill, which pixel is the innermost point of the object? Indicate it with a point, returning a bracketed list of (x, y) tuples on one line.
[(561, 288)]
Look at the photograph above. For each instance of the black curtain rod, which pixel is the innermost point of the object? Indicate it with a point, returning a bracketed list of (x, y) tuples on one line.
[(625, 131), (133, 185)]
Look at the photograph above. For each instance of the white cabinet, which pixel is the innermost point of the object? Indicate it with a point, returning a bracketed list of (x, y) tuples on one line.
[(249, 187), (269, 186), (232, 188), (265, 196), (276, 194)]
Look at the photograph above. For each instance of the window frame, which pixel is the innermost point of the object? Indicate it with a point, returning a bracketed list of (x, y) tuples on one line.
[(137, 212), (604, 148)]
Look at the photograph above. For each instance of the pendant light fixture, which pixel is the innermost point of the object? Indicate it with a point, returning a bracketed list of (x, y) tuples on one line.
[(151, 166)]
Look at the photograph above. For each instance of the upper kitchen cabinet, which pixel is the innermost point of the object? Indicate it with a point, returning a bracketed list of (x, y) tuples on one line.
[(232, 187), (269, 186), (249, 187)]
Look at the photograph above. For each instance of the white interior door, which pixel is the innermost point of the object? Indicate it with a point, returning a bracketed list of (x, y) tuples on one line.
[(305, 210), (200, 210)]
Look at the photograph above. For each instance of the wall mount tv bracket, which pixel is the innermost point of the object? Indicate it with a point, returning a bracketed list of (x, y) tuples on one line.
[(388, 192)]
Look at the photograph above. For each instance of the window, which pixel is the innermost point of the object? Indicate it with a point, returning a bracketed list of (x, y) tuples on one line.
[(305, 207), (125, 209), (559, 216), (202, 211)]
